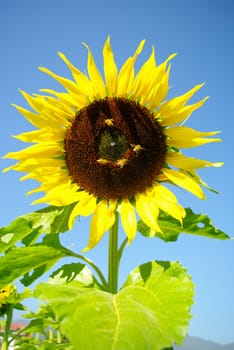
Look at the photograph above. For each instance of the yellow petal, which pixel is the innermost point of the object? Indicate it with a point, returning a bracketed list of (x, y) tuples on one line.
[(59, 196), (31, 164), (184, 137), (110, 69), (163, 68), (176, 103), (179, 160), (56, 108), (161, 91), (33, 101), (69, 85), (102, 220), (95, 75), (84, 207), (148, 211), (46, 118), (126, 74), (80, 78), (159, 87), (41, 135), (143, 79), (179, 115), (128, 219), (167, 201), (46, 150), (34, 119), (185, 181), (71, 100)]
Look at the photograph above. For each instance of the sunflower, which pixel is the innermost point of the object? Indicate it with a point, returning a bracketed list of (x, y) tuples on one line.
[(5, 293), (109, 145)]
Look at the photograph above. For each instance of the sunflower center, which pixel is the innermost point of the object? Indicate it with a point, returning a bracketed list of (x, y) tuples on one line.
[(114, 148), (112, 144)]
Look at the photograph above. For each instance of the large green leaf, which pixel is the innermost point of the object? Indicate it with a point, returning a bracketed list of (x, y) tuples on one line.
[(34, 259), (195, 224), (150, 312), (27, 228), (20, 261)]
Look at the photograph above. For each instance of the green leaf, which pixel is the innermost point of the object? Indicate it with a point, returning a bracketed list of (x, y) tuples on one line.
[(51, 240), (20, 307), (195, 224), (13, 233), (19, 261), (80, 273), (35, 326), (34, 257), (49, 220), (69, 272), (171, 284), (151, 311)]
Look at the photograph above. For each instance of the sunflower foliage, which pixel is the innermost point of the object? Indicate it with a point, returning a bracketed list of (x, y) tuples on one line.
[(42, 331), (105, 147), (150, 311)]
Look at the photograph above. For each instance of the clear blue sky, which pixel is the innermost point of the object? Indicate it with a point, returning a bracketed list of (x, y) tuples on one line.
[(201, 32)]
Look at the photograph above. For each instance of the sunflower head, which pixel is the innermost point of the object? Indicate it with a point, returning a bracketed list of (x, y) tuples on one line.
[(119, 138), (7, 295), (111, 143)]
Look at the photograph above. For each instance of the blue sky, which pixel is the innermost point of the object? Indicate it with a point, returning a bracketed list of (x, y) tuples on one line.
[(201, 32)]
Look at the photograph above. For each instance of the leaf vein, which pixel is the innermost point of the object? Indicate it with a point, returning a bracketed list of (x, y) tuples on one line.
[(117, 323)]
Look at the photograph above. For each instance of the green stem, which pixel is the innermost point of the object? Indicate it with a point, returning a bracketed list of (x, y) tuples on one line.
[(123, 245), (51, 336), (9, 314), (113, 261), (59, 337)]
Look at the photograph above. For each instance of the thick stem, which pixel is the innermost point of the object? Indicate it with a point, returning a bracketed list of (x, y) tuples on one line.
[(8, 327), (113, 261)]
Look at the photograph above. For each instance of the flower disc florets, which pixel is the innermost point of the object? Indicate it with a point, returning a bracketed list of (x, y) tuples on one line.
[(114, 148)]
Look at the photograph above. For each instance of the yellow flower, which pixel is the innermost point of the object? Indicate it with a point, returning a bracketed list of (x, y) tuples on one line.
[(5, 293), (110, 144)]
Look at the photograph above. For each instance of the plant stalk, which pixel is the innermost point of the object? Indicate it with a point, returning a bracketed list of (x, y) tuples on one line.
[(7, 332), (113, 259)]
